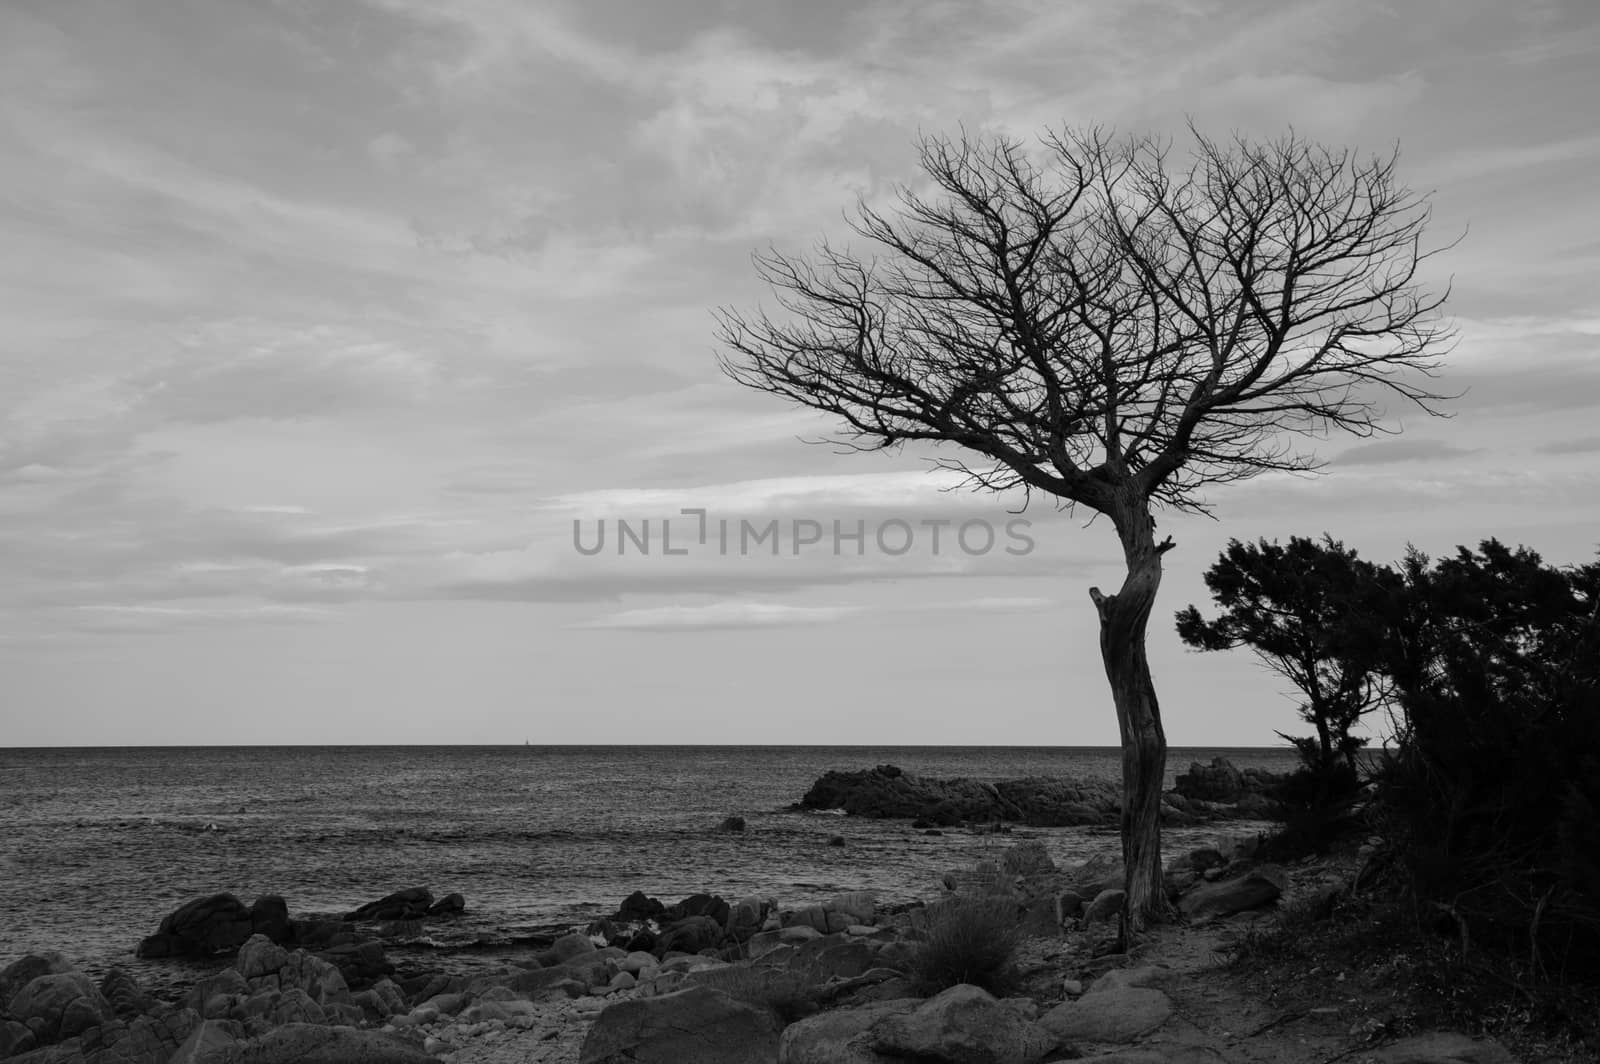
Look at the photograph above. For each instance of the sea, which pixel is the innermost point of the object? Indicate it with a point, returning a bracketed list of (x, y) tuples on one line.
[(97, 845)]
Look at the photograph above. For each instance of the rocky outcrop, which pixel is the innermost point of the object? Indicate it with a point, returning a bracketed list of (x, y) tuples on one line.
[(412, 903), (889, 792), (1222, 782), (219, 923)]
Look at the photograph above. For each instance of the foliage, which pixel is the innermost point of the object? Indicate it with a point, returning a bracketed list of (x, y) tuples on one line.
[(970, 940), (1491, 791), (1305, 610)]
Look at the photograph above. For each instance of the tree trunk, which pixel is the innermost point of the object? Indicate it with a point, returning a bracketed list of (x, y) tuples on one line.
[(1124, 618)]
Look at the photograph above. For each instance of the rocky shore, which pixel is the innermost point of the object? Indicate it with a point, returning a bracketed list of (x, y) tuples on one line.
[(1205, 793), (712, 981)]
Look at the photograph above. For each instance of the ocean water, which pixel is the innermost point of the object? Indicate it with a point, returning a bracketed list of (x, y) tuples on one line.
[(96, 845)]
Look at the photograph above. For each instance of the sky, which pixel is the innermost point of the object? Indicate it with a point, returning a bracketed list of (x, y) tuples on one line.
[(325, 323)]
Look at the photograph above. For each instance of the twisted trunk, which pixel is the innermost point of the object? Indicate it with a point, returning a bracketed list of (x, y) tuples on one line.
[(1124, 619)]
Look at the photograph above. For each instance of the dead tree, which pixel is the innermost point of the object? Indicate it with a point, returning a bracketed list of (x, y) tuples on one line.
[(1092, 322)]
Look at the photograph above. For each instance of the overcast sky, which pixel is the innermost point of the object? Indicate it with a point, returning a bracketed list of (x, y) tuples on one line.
[(323, 322)]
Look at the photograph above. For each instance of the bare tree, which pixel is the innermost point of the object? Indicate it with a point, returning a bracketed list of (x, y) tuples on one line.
[(1094, 323)]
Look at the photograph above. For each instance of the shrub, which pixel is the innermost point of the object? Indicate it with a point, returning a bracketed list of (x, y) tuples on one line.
[(970, 940)]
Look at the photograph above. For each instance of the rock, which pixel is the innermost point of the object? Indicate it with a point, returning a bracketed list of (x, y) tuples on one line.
[(1115, 1016), (15, 1039), (361, 963), (693, 1026), (58, 1006), (1218, 782), (269, 916), (21, 972), (1258, 887), (840, 1036), (818, 918), (1443, 1047), (450, 905), (637, 962), (1123, 978), (566, 948), (127, 997), (697, 905), (733, 824), (299, 1043), (409, 904), (260, 956), (219, 923), (835, 840), (690, 935), (638, 907), (963, 1025), (886, 791), (321, 981), (1107, 905)]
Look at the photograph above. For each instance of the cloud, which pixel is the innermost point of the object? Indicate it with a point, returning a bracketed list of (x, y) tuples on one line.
[(1582, 445), (721, 616), (1387, 452), (147, 619)]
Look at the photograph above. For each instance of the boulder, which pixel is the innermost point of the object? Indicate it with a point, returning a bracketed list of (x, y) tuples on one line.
[(127, 997), (690, 935), (1106, 906), (566, 948), (637, 906), (697, 1025), (1443, 1047), (259, 957), (219, 923), (409, 904), (733, 824), (697, 905), (269, 916), (360, 963), (57, 1006), (963, 1025), (840, 1036), (1258, 887), (321, 981), (21, 972), (1114, 1015)]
